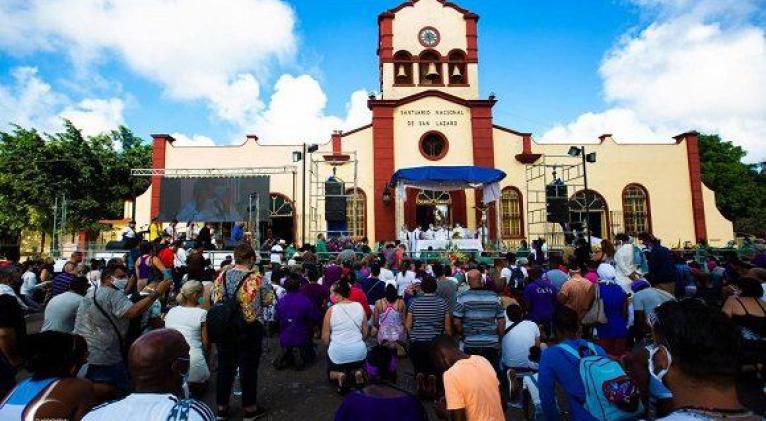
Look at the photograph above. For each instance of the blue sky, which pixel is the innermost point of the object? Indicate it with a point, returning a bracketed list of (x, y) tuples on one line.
[(564, 70)]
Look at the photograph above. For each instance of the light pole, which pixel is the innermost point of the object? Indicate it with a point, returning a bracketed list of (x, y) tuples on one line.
[(574, 152), (301, 156)]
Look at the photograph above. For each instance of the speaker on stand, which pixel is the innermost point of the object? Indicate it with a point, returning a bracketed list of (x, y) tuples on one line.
[(335, 206)]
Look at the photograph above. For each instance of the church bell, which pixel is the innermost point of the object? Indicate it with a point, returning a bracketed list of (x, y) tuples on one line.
[(402, 73), (456, 73), (431, 72)]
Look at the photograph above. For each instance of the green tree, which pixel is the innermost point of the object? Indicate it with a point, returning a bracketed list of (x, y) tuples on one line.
[(93, 174), (740, 188)]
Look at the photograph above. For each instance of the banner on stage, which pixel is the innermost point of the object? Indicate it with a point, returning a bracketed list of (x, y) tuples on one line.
[(213, 199)]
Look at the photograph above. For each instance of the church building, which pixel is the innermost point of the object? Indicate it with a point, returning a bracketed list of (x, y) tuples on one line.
[(429, 113)]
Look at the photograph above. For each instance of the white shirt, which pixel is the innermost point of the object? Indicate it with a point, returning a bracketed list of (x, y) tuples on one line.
[(94, 277), (404, 280), (179, 259), (188, 321), (28, 282), (428, 235), (128, 233), (61, 311), (147, 407), (346, 342), (387, 276), (507, 272), (276, 254), (516, 345)]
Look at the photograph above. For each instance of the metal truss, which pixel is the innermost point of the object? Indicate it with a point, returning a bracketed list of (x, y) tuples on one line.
[(213, 172)]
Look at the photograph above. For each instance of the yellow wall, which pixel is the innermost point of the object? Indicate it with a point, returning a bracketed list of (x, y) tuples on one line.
[(661, 168), (719, 229)]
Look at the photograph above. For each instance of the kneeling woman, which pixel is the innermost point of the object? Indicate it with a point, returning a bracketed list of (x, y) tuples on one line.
[(344, 330)]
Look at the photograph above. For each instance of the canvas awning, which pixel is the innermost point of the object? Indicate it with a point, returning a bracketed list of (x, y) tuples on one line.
[(448, 179)]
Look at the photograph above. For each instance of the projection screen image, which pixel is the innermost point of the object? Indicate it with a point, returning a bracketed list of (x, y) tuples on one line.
[(212, 199)]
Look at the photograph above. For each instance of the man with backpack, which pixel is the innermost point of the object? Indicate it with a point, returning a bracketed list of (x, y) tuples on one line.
[(513, 273), (234, 325), (595, 386)]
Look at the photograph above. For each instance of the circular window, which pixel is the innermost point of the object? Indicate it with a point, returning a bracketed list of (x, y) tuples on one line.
[(434, 146)]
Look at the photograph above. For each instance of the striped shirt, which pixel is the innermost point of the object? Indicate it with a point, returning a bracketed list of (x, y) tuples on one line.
[(479, 311), (151, 407), (428, 311)]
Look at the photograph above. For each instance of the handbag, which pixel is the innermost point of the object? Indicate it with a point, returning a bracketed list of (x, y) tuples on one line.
[(595, 314)]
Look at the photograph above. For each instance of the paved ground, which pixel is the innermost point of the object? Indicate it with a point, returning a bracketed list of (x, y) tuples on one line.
[(303, 395)]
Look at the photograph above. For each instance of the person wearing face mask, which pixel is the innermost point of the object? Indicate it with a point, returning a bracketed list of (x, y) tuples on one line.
[(53, 391), (695, 353), (103, 319), (189, 319), (159, 365)]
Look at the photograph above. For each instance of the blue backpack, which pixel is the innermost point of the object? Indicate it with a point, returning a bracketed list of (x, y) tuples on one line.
[(610, 395)]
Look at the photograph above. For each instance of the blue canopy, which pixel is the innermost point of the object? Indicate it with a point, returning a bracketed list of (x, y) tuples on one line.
[(465, 177), (448, 179)]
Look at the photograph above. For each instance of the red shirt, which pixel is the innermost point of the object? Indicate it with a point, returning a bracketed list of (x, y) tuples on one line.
[(357, 295), (166, 256)]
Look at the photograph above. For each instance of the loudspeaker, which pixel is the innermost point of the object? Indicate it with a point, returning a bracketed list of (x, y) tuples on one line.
[(116, 245), (557, 203), (335, 206)]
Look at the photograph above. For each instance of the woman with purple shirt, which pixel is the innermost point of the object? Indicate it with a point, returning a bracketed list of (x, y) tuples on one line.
[(540, 296), (297, 316)]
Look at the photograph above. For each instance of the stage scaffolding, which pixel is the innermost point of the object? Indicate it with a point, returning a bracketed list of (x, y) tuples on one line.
[(545, 171), (318, 196), (254, 225)]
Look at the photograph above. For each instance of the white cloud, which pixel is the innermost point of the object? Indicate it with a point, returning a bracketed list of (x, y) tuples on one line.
[(94, 116), (196, 140), (296, 113), (195, 49), (690, 72), (32, 103), (28, 101)]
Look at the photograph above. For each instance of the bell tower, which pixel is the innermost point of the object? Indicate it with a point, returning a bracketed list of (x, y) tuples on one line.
[(428, 45)]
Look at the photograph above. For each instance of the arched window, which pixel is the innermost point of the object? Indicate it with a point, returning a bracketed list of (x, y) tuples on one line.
[(635, 210), (403, 74), (430, 68), (356, 213), (511, 218), (590, 210), (457, 68)]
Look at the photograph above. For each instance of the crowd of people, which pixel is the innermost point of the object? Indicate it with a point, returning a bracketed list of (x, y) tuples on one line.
[(625, 330)]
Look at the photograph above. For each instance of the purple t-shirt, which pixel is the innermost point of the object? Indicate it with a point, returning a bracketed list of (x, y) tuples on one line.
[(296, 315), (317, 294), (541, 299)]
